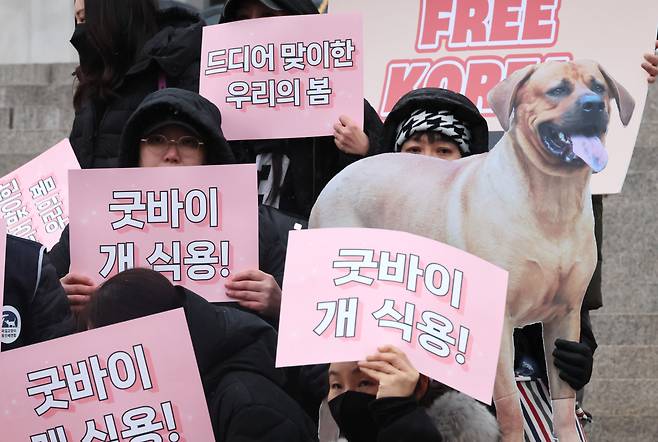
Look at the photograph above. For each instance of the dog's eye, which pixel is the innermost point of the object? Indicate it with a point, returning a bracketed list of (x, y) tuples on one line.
[(557, 91), (598, 88)]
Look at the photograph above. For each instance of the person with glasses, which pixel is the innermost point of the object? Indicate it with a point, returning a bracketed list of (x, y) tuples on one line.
[(175, 127)]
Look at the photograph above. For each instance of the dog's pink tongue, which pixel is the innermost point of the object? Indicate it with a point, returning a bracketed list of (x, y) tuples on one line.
[(591, 151)]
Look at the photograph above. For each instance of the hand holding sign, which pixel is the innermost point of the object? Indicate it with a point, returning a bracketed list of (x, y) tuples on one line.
[(350, 138), (79, 289), (255, 290), (397, 377)]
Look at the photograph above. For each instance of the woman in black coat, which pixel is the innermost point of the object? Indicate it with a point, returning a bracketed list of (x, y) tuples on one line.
[(127, 49)]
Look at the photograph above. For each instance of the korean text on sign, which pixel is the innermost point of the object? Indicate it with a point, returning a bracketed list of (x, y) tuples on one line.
[(278, 70), (348, 291), (116, 383), (34, 198), (196, 234)]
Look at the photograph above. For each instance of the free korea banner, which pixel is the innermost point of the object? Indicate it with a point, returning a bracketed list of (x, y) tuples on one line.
[(196, 225), (137, 380), (284, 77), (469, 46), (347, 291), (34, 198)]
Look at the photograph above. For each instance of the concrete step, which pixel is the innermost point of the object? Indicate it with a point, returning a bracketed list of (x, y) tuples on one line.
[(6, 116), (12, 161), (36, 74), (620, 298), (29, 141), (623, 429), (626, 361), (625, 329), (622, 397), (51, 95), (38, 118)]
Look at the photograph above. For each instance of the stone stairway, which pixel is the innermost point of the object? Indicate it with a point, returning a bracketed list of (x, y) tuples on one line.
[(623, 394), (36, 112)]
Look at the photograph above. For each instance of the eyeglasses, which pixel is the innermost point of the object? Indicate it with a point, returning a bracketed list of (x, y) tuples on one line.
[(159, 143)]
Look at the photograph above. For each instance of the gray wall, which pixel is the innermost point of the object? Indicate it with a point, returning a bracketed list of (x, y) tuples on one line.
[(38, 31)]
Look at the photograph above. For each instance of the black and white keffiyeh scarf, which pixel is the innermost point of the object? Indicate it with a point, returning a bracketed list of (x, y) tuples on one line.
[(442, 122)]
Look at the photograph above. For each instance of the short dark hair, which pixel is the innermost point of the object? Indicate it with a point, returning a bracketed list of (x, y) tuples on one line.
[(130, 295)]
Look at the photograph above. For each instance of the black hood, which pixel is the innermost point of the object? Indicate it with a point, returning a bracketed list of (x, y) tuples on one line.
[(178, 104), (292, 7), (436, 99), (175, 46), (226, 339)]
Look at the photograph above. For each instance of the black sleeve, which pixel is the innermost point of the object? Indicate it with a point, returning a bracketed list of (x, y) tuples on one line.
[(593, 296), (271, 251), (262, 424), (189, 79), (60, 254), (373, 127), (403, 420), (49, 312)]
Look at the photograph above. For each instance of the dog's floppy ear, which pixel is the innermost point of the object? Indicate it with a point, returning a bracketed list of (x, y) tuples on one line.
[(625, 102), (501, 97)]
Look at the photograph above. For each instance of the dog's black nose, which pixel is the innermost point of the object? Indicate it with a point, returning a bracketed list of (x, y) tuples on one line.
[(591, 104)]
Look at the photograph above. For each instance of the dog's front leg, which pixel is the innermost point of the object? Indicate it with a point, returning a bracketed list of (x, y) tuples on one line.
[(506, 395), (563, 397)]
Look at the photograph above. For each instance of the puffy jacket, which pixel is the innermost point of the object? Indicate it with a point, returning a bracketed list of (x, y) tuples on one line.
[(35, 306), (173, 52), (235, 353), (436, 99), (451, 417)]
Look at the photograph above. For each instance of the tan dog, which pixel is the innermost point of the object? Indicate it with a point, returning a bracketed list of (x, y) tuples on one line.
[(524, 206)]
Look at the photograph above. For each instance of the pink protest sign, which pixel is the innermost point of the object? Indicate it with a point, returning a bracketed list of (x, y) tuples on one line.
[(137, 380), (3, 255), (34, 197), (195, 225), (347, 291), (284, 77)]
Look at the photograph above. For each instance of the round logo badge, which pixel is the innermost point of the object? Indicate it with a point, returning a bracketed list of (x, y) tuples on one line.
[(11, 324)]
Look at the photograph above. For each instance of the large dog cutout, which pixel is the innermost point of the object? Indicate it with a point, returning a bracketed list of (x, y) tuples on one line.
[(524, 206)]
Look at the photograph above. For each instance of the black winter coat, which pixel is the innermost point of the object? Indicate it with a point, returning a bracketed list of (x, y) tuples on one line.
[(34, 300), (173, 51), (401, 419), (313, 162), (235, 353)]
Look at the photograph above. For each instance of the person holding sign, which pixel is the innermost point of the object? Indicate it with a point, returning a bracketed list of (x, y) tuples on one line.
[(234, 352), (384, 398), (35, 308), (175, 127), (293, 171), (127, 49)]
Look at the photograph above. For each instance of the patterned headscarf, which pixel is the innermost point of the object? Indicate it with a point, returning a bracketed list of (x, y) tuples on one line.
[(442, 122)]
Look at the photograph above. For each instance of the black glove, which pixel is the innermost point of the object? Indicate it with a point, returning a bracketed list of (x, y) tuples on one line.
[(574, 361)]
